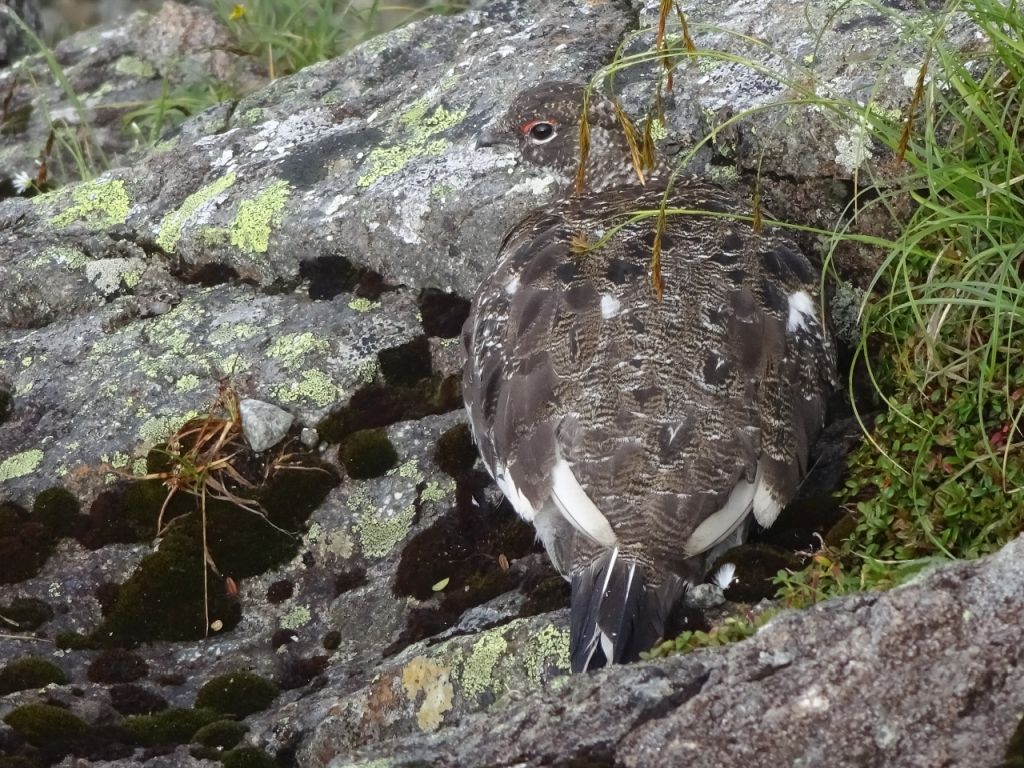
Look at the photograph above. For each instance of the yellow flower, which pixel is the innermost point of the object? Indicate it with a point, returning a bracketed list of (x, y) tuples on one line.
[(237, 12)]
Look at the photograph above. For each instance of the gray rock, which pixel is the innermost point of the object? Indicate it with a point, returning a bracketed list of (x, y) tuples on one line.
[(14, 42), (928, 674), (264, 424)]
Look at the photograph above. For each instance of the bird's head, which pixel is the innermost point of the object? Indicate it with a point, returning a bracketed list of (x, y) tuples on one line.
[(544, 123)]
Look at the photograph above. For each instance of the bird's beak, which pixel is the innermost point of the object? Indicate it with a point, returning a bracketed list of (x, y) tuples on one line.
[(492, 135)]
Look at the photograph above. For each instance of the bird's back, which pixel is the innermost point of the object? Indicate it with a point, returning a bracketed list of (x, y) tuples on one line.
[(639, 432)]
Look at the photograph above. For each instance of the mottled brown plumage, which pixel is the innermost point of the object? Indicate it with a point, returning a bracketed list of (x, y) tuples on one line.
[(639, 434)]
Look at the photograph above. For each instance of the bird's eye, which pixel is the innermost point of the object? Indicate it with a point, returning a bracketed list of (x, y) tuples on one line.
[(540, 131)]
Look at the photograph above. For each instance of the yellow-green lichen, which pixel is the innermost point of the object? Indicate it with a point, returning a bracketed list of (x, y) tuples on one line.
[(437, 491), (549, 647), (159, 428), (20, 464), (297, 617), (132, 65), (250, 231), (97, 204), (251, 116), (109, 276), (478, 671), (384, 161), (426, 676), (315, 386), (379, 535), (229, 332), (367, 370), (409, 470), (66, 256), (170, 226), (186, 383), (363, 305), (291, 348), (658, 129)]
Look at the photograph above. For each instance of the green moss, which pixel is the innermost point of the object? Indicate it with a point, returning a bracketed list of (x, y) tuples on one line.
[(20, 464), (43, 725), (223, 734), (250, 231), (142, 502), (24, 551), (99, 205), (455, 453), (237, 694), (248, 757), (291, 494), (28, 673), (117, 666), (171, 226), (367, 453), (163, 598), (75, 641), (6, 404), (172, 726), (26, 613), (57, 510)]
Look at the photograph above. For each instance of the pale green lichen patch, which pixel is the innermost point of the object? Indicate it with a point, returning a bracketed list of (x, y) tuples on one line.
[(478, 671), (230, 332), (256, 219), (548, 648), (111, 276), (186, 383), (658, 130), (437, 491), (132, 65), (159, 428), (363, 305), (297, 617), (291, 349), (170, 227), (409, 470), (384, 161), (65, 256), (20, 464), (97, 204), (379, 535), (315, 386)]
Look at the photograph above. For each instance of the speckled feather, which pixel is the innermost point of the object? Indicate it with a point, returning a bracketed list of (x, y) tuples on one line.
[(665, 411)]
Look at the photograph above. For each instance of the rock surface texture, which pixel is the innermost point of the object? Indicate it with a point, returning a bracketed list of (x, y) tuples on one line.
[(311, 246)]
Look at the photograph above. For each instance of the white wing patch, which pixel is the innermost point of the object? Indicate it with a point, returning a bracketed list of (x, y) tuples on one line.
[(723, 522), (515, 497), (801, 309), (574, 504), (609, 306), (766, 506)]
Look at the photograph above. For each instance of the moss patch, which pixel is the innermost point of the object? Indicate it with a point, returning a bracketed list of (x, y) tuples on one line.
[(30, 672), (44, 725), (455, 452), (329, 276), (57, 510), (223, 734), (367, 453), (172, 726), (237, 694), (117, 666), (24, 614), (248, 757), (130, 699)]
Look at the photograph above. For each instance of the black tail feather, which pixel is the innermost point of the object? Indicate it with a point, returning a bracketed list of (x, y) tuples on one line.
[(616, 614)]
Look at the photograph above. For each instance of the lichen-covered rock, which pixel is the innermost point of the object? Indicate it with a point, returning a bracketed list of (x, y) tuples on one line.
[(313, 246)]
